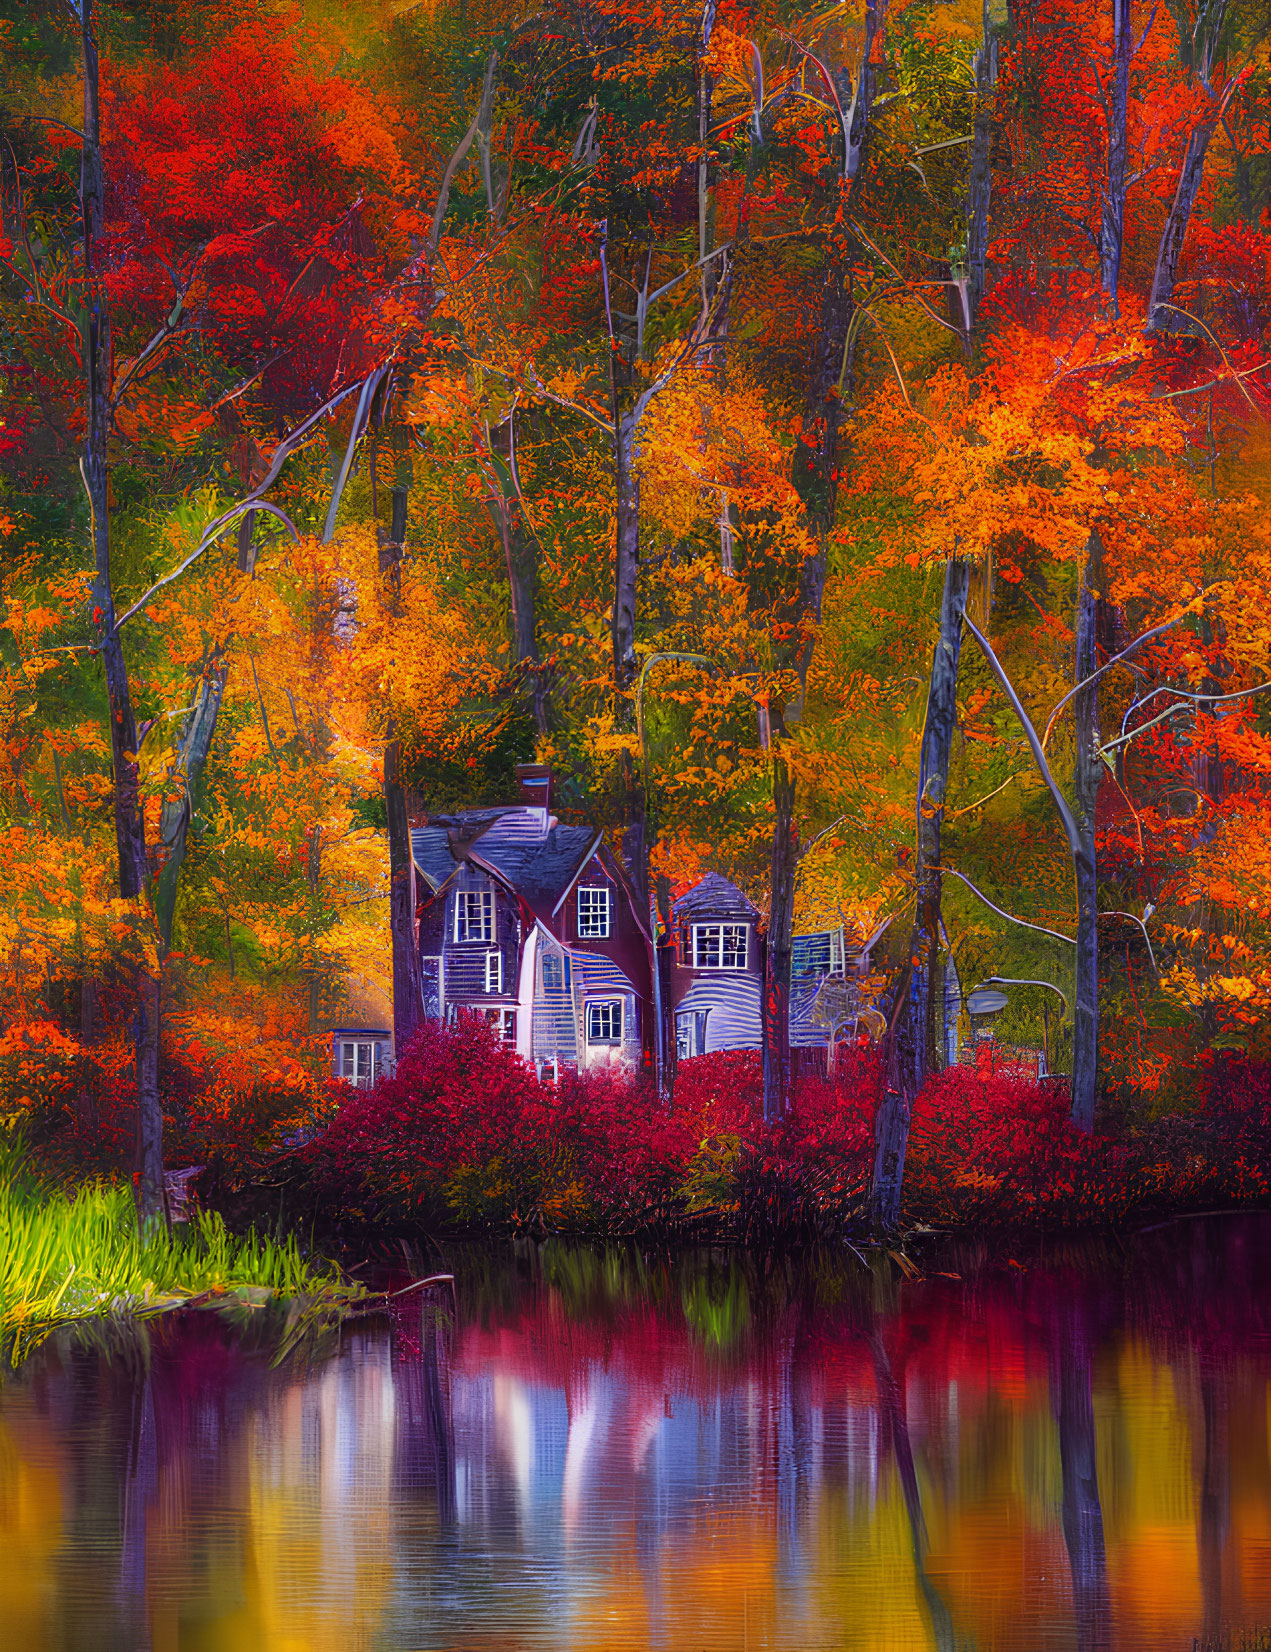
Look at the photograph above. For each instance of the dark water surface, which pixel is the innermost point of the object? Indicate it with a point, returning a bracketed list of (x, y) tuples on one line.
[(604, 1450)]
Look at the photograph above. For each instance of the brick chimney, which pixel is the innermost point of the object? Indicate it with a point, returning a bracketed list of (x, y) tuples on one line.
[(534, 785)]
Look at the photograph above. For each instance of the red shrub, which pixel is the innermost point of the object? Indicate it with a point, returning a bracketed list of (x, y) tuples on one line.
[(1002, 1148), (466, 1134)]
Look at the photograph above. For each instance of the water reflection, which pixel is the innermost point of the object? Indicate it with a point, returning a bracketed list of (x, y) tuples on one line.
[(607, 1451)]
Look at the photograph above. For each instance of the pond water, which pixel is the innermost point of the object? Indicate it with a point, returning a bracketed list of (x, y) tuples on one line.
[(603, 1449)]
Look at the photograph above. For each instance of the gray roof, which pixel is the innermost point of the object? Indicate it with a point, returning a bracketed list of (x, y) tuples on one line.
[(527, 848), (713, 897)]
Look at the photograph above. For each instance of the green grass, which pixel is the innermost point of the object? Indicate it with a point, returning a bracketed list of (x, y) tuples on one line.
[(80, 1256)]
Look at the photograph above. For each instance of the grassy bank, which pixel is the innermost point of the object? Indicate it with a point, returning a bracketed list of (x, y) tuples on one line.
[(68, 1257)]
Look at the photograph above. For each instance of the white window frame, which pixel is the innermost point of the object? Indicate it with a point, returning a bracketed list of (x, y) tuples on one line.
[(738, 957), (562, 959), (493, 973), (600, 917), (360, 1063), (467, 927), (596, 1007), (504, 1023), (838, 953)]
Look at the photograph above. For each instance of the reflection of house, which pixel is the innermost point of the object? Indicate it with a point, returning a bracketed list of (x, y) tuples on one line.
[(530, 923)]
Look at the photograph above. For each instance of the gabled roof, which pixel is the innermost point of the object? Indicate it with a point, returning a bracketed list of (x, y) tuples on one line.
[(713, 897), (526, 849)]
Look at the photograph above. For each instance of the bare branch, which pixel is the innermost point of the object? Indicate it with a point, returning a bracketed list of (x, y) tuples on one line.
[(1116, 659), (949, 872), (370, 385), (253, 501), (452, 165), (1071, 831)]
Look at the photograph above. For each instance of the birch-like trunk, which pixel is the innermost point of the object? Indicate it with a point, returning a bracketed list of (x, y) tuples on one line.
[(627, 557), (193, 748), (1112, 228), (776, 1016), (1089, 770), (408, 996), (911, 1053), (1173, 235), (130, 835)]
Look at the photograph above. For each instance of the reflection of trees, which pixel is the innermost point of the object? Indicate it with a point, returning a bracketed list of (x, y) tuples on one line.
[(141, 1485), (424, 1459), (894, 1429), (804, 1447), (1073, 1400), (1215, 1493)]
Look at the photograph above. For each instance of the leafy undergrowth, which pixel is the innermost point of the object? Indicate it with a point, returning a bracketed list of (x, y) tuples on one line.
[(465, 1138), (1001, 1150), (70, 1257)]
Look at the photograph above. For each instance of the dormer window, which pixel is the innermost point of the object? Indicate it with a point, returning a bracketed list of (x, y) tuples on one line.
[(593, 914), (719, 946), (474, 915)]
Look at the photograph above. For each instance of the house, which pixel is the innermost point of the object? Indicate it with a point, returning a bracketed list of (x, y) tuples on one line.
[(717, 971), (362, 1044), (530, 923), (717, 977), (361, 1055), (826, 970)]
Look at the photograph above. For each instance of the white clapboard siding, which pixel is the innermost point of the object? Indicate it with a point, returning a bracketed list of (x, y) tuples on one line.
[(734, 1003)]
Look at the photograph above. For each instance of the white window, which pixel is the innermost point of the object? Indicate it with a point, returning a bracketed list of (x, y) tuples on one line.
[(719, 946), (593, 914), (838, 963), (504, 1023), (555, 972), (474, 915), (359, 1063), (494, 972), (604, 1021)]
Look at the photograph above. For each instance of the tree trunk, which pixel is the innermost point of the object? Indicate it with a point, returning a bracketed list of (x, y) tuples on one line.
[(1113, 225), (1089, 770), (981, 174), (1175, 231), (705, 170), (912, 1043), (627, 560), (247, 543), (776, 1017), (663, 962), (635, 848), (148, 1168), (519, 548), (174, 820), (130, 836), (315, 885), (408, 995)]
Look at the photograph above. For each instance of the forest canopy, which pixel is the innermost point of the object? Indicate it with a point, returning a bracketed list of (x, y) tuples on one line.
[(833, 438)]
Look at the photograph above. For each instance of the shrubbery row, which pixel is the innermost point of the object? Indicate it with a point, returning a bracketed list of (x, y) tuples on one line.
[(464, 1136)]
